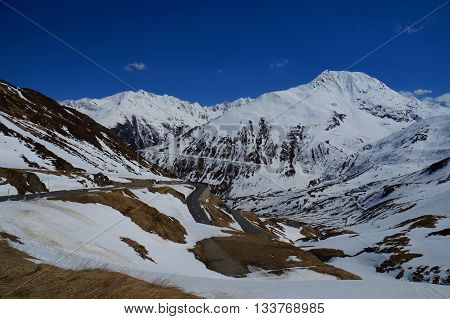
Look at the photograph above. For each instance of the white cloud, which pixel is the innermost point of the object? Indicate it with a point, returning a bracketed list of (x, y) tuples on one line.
[(415, 93), (422, 92), (135, 66), (444, 98), (278, 64)]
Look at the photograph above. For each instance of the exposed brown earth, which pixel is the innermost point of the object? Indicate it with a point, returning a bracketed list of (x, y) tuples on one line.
[(146, 217), (431, 275), (138, 248), (217, 209), (169, 190), (21, 278), (325, 254), (314, 233), (232, 256), (337, 232), (392, 244), (126, 192), (425, 221), (23, 181), (443, 232), (311, 233), (10, 237), (262, 225), (137, 182), (42, 114), (396, 260), (102, 180), (397, 246)]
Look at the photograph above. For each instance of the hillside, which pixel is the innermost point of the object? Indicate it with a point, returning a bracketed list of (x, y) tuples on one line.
[(75, 197), (371, 210), (142, 119), (293, 138)]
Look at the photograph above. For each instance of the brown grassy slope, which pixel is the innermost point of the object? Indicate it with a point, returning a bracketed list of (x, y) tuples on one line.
[(425, 221), (169, 190), (138, 248), (217, 209), (21, 278), (23, 181), (263, 226), (233, 255), (48, 115), (146, 217)]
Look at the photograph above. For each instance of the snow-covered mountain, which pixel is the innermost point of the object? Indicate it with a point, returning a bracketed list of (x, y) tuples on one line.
[(341, 178), (38, 133), (221, 108), (393, 199), (138, 221), (291, 138), (142, 119)]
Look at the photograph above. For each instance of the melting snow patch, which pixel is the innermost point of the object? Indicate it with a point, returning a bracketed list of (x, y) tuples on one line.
[(293, 258)]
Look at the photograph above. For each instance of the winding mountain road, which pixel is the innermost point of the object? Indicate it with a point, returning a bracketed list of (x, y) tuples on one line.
[(67, 192), (200, 215), (196, 210), (246, 225), (192, 201)]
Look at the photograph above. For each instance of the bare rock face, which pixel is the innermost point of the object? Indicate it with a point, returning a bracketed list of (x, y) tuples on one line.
[(35, 184), (102, 180)]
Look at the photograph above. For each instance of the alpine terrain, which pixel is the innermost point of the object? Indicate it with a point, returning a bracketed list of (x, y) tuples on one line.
[(341, 184)]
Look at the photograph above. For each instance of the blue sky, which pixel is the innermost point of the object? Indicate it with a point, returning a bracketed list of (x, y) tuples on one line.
[(211, 51)]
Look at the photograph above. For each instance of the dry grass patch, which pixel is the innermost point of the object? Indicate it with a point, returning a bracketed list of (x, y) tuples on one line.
[(325, 254), (126, 192), (217, 209), (169, 190), (218, 217), (392, 244), (337, 232), (10, 237), (21, 278), (146, 217), (263, 225), (396, 260), (23, 181), (425, 221), (314, 233), (443, 232), (137, 182), (138, 248), (311, 233), (232, 256)]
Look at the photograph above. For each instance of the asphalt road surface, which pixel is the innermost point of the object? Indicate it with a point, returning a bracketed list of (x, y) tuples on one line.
[(197, 212), (246, 225), (55, 193)]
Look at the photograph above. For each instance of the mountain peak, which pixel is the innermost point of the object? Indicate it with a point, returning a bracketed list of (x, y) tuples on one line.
[(345, 79)]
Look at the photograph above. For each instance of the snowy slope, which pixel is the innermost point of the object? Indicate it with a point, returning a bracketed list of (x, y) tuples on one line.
[(221, 108), (291, 138), (69, 238), (394, 195), (38, 133), (350, 154), (144, 119), (397, 159)]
